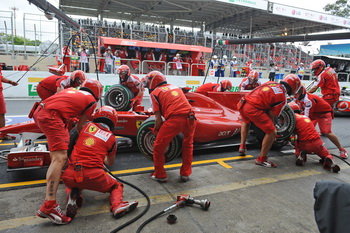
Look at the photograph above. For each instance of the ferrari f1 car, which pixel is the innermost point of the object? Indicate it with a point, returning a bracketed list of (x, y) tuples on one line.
[(218, 125)]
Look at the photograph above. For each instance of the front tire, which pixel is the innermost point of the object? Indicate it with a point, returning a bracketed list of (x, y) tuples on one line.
[(145, 141), (119, 97)]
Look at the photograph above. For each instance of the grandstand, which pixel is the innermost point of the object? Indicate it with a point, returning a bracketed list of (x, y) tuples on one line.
[(199, 23)]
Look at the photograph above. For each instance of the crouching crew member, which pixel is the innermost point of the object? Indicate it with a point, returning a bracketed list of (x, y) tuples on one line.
[(320, 112), (54, 84), (261, 106), (133, 83), (95, 146), (53, 117), (224, 85), (309, 141), (170, 102), (250, 82)]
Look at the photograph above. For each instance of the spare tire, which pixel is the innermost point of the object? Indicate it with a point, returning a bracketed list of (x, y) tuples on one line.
[(145, 140), (119, 97), (285, 125)]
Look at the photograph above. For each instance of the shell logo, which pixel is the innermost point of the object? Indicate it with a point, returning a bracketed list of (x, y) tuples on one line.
[(175, 93), (89, 142), (265, 89)]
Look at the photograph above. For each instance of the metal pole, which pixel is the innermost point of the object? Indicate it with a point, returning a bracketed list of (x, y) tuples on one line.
[(24, 35), (7, 49), (35, 37), (13, 39)]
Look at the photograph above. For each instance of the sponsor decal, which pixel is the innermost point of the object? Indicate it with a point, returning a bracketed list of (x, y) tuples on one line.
[(224, 133), (92, 129), (138, 124), (103, 135), (265, 89), (25, 159), (89, 142), (123, 121), (174, 93)]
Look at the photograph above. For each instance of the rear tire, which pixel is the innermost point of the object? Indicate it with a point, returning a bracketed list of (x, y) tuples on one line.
[(118, 97), (145, 141)]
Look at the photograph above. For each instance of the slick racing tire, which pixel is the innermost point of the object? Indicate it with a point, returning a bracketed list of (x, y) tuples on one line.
[(118, 97), (145, 140), (285, 125)]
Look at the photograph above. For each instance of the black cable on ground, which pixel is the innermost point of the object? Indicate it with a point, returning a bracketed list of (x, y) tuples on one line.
[(149, 220), (138, 189), (341, 159)]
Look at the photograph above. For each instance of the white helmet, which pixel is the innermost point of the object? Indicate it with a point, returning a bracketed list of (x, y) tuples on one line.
[(234, 57), (225, 57), (215, 57)]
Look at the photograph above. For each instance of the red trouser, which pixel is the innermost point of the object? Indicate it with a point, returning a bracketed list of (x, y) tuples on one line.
[(135, 64), (66, 61), (43, 92), (170, 128), (95, 179), (331, 99), (137, 102), (2, 103), (324, 121), (102, 65), (315, 146)]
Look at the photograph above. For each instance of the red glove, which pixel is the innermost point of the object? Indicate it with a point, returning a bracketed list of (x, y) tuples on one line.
[(133, 100), (154, 130)]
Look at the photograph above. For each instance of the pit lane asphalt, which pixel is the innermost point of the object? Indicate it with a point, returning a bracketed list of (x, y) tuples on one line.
[(244, 197)]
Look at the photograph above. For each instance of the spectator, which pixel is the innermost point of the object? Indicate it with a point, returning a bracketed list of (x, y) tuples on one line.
[(272, 73), (177, 64), (86, 167), (214, 64), (134, 63), (233, 67), (75, 60), (3, 105), (201, 66), (150, 57), (187, 63), (101, 61), (109, 60), (66, 53), (170, 102), (163, 58), (84, 59), (123, 54), (301, 70)]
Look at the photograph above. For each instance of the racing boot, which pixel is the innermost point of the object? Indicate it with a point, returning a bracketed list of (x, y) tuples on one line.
[(124, 208), (343, 153), (330, 165), (263, 161), (74, 201), (53, 212), (301, 159)]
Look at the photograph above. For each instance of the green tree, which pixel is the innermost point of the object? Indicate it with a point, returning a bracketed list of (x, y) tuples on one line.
[(339, 8), (18, 40)]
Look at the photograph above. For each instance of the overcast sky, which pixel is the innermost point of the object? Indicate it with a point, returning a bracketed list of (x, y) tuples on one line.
[(23, 6)]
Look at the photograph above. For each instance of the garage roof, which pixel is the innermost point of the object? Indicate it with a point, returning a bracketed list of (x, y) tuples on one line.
[(218, 15)]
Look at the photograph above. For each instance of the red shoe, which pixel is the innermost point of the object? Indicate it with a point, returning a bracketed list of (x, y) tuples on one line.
[(330, 165), (263, 161), (124, 208), (72, 203), (242, 151), (54, 213), (343, 153)]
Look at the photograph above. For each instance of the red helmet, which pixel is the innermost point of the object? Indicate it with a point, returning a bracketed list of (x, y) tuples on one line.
[(301, 93), (292, 83), (106, 115), (317, 66), (124, 73), (253, 76), (294, 106), (226, 85), (154, 79), (77, 77), (92, 86)]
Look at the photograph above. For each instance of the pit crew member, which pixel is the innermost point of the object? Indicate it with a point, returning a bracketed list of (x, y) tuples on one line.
[(319, 111), (170, 102), (133, 83), (94, 147), (54, 84), (308, 141), (327, 80), (260, 106), (53, 117), (224, 85), (250, 82)]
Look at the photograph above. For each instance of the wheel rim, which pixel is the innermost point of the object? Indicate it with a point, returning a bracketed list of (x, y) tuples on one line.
[(116, 98)]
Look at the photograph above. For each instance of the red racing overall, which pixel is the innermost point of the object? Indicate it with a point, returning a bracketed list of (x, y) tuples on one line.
[(134, 84), (48, 86), (175, 108), (308, 139), (328, 82), (94, 143), (208, 87)]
